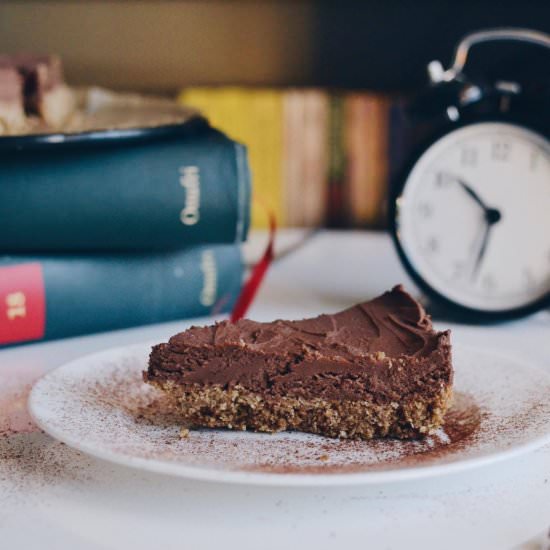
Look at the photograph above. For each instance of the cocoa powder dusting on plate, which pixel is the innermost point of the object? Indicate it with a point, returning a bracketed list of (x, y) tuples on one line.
[(103, 407)]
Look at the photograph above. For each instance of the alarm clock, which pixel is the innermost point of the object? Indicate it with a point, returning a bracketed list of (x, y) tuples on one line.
[(470, 215)]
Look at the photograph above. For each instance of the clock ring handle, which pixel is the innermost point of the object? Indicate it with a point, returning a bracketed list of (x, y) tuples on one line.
[(438, 74)]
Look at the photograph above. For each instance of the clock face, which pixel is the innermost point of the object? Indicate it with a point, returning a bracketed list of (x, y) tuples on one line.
[(473, 218)]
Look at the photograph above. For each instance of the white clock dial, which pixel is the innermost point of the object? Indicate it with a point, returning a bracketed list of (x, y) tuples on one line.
[(474, 216)]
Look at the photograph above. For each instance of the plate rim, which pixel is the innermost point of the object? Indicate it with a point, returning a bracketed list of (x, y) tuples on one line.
[(287, 479)]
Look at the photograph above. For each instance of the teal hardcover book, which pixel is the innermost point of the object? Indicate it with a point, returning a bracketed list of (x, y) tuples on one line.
[(44, 297), (182, 190)]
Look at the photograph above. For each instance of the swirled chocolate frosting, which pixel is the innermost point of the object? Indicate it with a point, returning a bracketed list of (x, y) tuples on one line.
[(384, 349)]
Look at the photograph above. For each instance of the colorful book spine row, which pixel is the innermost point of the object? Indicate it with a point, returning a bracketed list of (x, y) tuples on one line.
[(318, 158)]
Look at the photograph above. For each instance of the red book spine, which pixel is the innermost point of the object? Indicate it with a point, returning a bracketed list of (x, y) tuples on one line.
[(22, 303)]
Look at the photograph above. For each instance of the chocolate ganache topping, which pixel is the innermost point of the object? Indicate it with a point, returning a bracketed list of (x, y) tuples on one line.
[(384, 348)]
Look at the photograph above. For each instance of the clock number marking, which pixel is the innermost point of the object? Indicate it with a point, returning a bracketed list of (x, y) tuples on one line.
[(442, 180), (489, 283), (528, 279), (468, 157), (459, 269), (534, 161), (500, 151), (425, 210), (432, 245)]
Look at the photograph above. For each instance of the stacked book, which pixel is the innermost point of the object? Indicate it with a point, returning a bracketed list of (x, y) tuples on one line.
[(105, 234), (318, 157)]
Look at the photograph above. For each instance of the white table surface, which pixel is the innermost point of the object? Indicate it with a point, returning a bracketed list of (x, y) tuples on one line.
[(55, 498)]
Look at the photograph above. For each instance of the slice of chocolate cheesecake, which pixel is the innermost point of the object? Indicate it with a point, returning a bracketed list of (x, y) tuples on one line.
[(377, 369)]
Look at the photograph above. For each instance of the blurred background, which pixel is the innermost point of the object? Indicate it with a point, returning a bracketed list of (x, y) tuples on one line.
[(349, 65), (162, 45), (319, 93)]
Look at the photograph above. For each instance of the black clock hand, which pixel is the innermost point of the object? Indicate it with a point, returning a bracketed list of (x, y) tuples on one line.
[(492, 216), (482, 250), (472, 193)]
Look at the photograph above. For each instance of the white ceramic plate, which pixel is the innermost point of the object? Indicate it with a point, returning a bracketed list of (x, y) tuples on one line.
[(96, 404)]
